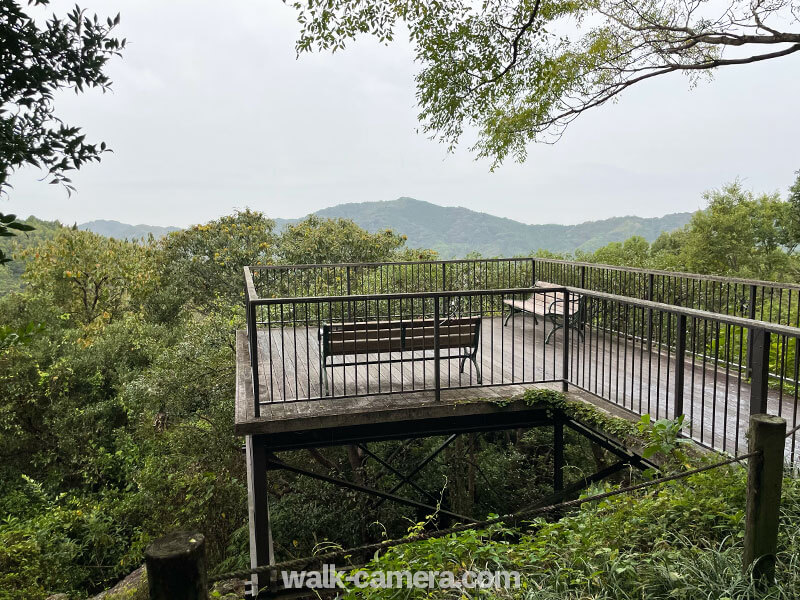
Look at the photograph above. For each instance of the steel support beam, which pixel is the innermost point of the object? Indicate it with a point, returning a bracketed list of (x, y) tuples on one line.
[(421, 465), (611, 445), (403, 478), (276, 463)]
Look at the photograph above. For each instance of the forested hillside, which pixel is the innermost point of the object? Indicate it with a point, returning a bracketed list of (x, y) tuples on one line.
[(454, 231), (738, 233), (116, 417), (116, 412), (122, 231), (442, 228)]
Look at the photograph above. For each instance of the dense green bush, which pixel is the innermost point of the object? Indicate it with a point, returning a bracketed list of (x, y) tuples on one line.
[(680, 540)]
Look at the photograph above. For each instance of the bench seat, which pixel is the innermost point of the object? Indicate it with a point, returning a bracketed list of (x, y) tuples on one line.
[(550, 306)]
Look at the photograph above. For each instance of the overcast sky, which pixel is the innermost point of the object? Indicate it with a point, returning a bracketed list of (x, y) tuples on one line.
[(211, 111)]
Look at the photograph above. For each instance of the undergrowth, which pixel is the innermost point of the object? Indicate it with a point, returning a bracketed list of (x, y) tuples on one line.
[(681, 540)]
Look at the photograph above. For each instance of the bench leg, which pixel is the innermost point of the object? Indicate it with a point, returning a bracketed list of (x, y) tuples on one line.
[(474, 360), (477, 369), (515, 311), (559, 324), (324, 377), (556, 326)]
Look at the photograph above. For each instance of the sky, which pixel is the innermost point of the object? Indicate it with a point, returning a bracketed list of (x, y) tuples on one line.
[(211, 111)]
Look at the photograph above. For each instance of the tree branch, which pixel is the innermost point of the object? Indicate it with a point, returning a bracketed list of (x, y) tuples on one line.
[(514, 49)]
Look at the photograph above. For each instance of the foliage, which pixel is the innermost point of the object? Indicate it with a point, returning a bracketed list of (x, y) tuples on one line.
[(738, 234), (10, 336), (663, 437), (116, 414), (90, 277), (39, 59), (9, 225), (14, 248), (521, 71), (317, 240), (792, 224), (680, 540), (620, 428), (204, 264), (633, 252)]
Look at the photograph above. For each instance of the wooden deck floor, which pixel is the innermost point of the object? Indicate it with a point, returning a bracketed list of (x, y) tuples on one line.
[(625, 372)]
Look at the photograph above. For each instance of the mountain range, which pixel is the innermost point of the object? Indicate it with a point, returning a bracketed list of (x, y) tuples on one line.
[(118, 230), (456, 231)]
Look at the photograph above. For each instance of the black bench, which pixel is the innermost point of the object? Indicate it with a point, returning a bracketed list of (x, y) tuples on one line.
[(374, 337)]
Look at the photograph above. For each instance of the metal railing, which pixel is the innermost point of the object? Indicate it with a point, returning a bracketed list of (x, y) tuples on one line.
[(755, 299), (666, 361), (397, 343), (694, 350)]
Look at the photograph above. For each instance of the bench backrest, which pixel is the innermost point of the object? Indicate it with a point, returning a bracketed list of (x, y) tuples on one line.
[(365, 337)]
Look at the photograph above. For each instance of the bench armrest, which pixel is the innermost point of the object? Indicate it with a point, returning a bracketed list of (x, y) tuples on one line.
[(572, 300)]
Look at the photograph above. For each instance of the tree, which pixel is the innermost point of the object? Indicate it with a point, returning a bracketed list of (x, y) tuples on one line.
[(37, 59), (792, 240), (206, 262), (738, 234), (316, 240), (633, 252), (90, 277), (522, 70), (14, 247)]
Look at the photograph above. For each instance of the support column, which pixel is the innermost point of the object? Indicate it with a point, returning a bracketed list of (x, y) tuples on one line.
[(764, 480), (558, 454), (261, 550)]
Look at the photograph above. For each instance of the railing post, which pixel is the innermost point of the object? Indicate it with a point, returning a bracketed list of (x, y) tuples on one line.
[(583, 277), (650, 310), (760, 370), (680, 363), (349, 291), (565, 349), (436, 349), (764, 480), (533, 272), (252, 335), (751, 314), (444, 277), (176, 567)]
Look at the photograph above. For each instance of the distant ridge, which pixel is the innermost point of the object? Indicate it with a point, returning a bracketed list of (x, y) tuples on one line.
[(118, 230), (456, 231)]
